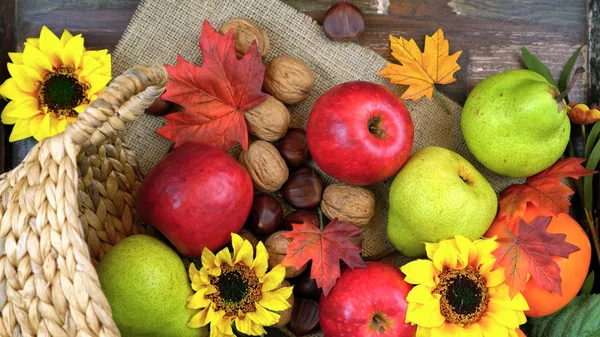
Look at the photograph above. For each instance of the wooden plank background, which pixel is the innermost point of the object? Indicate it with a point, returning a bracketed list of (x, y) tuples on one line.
[(490, 32)]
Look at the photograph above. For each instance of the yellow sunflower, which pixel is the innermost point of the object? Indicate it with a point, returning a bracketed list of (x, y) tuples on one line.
[(458, 293), (51, 81), (236, 289)]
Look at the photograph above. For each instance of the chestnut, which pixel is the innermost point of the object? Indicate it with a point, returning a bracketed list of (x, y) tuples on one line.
[(300, 216), (266, 215), (306, 286), (305, 317), (159, 107), (303, 189), (293, 148), (343, 22)]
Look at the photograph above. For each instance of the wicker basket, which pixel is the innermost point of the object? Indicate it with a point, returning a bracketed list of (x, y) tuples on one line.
[(68, 202)]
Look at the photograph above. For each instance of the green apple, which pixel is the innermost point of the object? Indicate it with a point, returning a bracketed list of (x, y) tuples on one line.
[(514, 125), (438, 194), (147, 287)]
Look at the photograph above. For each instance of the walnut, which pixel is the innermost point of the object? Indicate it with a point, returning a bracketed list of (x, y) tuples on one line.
[(265, 166), (244, 33), (276, 246), (247, 235), (349, 204), (288, 79), (268, 121), (286, 315)]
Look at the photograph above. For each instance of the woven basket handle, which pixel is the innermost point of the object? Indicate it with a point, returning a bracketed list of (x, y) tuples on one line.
[(125, 99)]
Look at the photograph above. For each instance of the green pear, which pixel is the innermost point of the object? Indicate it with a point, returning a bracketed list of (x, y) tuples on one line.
[(514, 125), (436, 195), (147, 287)]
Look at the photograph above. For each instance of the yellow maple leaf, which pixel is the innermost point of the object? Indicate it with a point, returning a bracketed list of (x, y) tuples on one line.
[(421, 70)]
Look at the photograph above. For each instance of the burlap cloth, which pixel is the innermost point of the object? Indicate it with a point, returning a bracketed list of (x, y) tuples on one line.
[(160, 29)]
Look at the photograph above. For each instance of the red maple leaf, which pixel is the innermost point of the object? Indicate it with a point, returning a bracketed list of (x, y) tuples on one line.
[(214, 95), (544, 190), (325, 248), (530, 253)]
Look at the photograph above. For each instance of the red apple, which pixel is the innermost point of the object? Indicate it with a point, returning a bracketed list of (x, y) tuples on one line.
[(367, 302), (359, 133), (196, 196)]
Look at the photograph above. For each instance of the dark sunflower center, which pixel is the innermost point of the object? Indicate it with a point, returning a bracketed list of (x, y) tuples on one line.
[(232, 287), (61, 92), (464, 295), (238, 289)]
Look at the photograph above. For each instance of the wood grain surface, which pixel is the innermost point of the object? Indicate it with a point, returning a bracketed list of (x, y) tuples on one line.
[(490, 32)]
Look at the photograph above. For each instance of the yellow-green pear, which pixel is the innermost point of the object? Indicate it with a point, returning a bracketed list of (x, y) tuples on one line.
[(515, 123), (147, 287), (436, 195)]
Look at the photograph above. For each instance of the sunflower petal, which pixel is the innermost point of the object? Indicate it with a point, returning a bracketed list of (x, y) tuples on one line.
[(261, 262), (89, 65), (506, 317), (26, 78), (246, 326), (21, 130), (224, 325), (65, 37), (9, 89), (34, 41), (21, 109), (198, 300), (245, 253), (35, 59), (73, 52), (40, 127), (420, 272), (208, 258), (491, 328), (224, 256), (80, 108), (96, 82), (422, 294), (427, 315), (199, 319), (16, 58), (263, 316), (273, 279), (50, 45), (275, 301)]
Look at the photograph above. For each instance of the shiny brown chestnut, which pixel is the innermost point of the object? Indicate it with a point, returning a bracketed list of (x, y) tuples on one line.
[(306, 286), (300, 216), (303, 189), (159, 107), (305, 317), (293, 148), (343, 22), (266, 215)]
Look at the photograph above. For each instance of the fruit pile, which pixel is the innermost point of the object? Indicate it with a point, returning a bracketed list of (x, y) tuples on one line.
[(275, 245)]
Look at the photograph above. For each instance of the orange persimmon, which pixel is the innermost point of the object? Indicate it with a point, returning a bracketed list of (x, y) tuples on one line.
[(520, 333), (573, 270)]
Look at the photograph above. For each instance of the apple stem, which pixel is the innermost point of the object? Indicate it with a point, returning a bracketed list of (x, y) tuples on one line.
[(378, 323), (564, 94), (440, 100)]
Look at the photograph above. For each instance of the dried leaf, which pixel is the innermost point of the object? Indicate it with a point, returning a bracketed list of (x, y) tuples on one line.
[(530, 253), (214, 95), (582, 114), (544, 190), (421, 70), (325, 248)]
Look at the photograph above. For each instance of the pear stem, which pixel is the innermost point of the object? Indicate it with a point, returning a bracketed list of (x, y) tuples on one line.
[(564, 94)]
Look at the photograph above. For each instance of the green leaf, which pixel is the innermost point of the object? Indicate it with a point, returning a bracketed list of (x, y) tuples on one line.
[(586, 289), (588, 188), (566, 73), (591, 139), (579, 318), (536, 65)]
